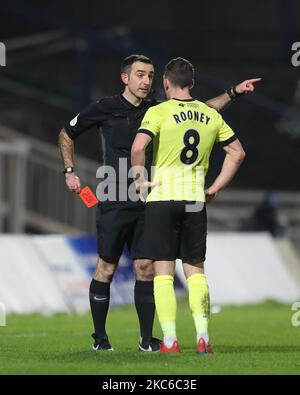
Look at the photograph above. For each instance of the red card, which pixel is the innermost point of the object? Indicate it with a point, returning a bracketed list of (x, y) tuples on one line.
[(88, 197)]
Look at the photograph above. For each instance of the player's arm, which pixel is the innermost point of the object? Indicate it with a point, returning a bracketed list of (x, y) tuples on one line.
[(148, 130), (138, 154), (235, 155), (220, 102), (138, 149)]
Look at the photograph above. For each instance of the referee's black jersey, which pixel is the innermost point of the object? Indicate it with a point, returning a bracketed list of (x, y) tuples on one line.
[(118, 121)]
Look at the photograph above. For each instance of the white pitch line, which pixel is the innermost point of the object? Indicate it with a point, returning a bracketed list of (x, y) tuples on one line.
[(27, 335)]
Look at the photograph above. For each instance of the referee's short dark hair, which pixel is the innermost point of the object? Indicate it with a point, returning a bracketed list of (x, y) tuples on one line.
[(129, 60), (180, 72)]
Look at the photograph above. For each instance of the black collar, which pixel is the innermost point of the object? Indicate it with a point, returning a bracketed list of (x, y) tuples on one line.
[(192, 99), (128, 104)]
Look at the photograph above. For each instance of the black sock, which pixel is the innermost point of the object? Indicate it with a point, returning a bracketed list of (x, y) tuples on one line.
[(145, 307), (99, 301)]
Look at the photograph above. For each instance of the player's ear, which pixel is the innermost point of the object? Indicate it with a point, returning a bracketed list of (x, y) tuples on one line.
[(124, 78), (165, 83)]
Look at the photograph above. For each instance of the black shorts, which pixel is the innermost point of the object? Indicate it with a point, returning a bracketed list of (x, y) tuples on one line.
[(118, 223), (170, 232)]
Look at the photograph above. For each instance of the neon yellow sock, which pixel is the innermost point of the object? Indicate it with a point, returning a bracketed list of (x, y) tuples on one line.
[(199, 303), (165, 303)]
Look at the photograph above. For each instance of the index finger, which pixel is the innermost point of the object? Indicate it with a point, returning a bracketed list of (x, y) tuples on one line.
[(142, 198), (254, 80)]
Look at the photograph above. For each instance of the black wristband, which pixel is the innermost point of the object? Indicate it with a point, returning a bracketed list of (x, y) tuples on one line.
[(230, 93)]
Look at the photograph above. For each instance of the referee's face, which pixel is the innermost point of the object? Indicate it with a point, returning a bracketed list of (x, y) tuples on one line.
[(139, 80)]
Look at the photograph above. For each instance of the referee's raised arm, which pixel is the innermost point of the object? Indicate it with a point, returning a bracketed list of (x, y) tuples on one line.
[(220, 102)]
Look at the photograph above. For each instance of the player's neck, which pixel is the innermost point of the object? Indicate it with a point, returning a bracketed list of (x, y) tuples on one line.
[(181, 94), (135, 101)]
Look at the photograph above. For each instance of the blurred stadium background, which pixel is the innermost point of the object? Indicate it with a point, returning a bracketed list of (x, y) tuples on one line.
[(62, 55)]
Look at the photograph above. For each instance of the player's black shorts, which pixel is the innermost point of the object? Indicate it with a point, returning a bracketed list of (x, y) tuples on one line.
[(118, 223), (171, 232)]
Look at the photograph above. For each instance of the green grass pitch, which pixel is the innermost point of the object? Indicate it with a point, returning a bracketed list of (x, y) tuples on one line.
[(247, 340)]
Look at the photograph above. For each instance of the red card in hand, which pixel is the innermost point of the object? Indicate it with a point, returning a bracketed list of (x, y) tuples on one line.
[(88, 197)]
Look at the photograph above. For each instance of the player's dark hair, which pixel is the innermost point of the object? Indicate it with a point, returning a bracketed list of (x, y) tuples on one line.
[(180, 72), (129, 60)]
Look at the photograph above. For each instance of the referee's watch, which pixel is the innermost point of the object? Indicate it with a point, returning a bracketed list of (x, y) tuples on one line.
[(68, 170), (232, 93)]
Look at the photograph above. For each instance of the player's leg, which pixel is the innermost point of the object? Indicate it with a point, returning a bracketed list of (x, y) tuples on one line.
[(192, 253), (160, 243), (165, 301), (199, 302)]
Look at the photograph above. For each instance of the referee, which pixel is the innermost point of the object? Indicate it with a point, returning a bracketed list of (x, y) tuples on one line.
[(120, 222), (183, 131)]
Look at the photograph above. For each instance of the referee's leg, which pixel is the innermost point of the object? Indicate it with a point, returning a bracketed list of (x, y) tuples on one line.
[(99, 301), (143, 289), (144, 300)]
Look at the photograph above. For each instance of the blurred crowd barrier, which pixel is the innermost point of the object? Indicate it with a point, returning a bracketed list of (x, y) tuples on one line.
[(246, 268), (50, 274)]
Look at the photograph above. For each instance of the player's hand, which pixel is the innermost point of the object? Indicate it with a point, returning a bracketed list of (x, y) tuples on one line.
[(73, 182), (142, 188), (247, 85), (211, 194)]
